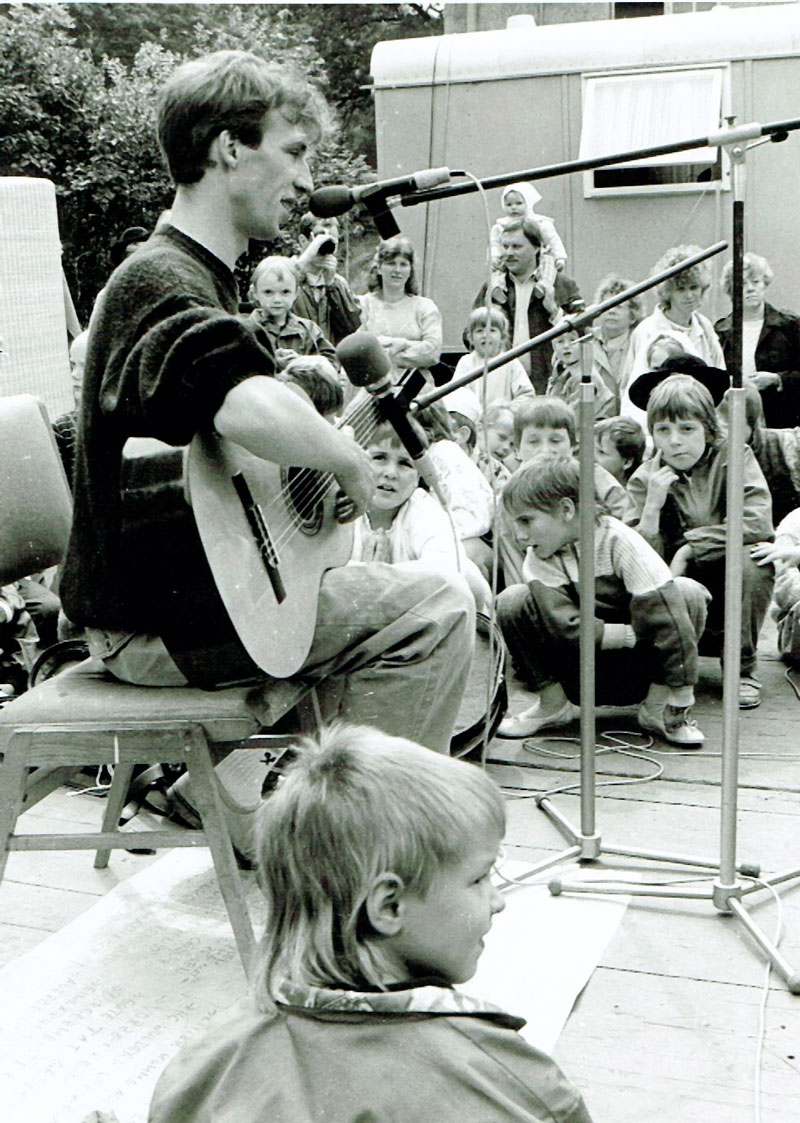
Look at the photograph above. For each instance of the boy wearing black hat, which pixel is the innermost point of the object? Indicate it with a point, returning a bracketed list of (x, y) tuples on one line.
[(680, 499)]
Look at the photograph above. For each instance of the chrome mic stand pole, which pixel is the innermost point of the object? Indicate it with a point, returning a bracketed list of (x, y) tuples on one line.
[(585, 843), (727, 891)]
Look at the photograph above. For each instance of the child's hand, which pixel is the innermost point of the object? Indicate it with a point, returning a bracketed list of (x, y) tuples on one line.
[(561, 265), (680, 561), (284, 356), (783, 553), (659, 484), (356, 482)]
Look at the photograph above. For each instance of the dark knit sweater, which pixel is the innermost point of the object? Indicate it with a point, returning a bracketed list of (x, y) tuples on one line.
[(166, 346)]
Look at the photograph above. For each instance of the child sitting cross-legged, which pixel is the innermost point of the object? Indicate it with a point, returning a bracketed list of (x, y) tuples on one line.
[(375, 856), (406, 523), (647, 622)]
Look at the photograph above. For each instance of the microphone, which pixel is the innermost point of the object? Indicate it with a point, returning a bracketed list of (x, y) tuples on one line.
[(367, 366), (329, 202)]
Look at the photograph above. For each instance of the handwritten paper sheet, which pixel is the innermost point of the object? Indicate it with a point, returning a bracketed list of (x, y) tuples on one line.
[(92, 1015)]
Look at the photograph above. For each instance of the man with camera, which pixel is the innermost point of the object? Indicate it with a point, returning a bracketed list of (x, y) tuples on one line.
[(323, 295)]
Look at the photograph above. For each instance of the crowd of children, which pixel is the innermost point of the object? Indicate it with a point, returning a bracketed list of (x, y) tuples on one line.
[(660, 417)]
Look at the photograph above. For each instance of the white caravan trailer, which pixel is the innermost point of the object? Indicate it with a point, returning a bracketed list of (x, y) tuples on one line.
[(495, 102)]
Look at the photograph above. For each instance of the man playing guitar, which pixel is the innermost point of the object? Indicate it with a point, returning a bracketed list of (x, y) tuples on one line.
[(167, 358)]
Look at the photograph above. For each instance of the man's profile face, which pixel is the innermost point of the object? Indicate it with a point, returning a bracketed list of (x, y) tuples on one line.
[(520, 255), (266, 180)]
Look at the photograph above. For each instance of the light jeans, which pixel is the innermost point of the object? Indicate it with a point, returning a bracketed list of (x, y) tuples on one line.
[(392, 648)]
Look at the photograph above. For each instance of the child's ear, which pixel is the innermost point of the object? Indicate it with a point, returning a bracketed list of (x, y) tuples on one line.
[(227, 147), (384, 904), (568, 509)]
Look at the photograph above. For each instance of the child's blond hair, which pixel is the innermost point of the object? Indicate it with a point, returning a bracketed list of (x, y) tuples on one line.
[(356, 803), (669, 343), (280, 266), (481, 317)]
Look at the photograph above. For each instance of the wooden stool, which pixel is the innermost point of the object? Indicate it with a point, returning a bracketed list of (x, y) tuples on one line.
[(84, 716)]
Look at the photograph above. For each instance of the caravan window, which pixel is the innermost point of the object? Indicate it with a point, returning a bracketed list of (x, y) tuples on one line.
[(627, 112)]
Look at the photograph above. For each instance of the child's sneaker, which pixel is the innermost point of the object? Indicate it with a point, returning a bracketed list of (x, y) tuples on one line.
[(673, 724), (532, 720), (749, 692)]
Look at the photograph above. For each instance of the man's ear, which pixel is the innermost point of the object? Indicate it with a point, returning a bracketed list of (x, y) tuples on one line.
[(384, 904)]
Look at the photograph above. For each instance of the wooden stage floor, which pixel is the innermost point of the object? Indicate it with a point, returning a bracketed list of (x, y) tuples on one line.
[(667, 1026)]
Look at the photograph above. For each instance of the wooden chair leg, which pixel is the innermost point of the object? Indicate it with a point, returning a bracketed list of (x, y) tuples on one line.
[(13, 775), (206, 797), (115, 801)]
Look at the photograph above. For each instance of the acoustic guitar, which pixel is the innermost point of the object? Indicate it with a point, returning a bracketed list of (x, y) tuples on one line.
[(269, 534)]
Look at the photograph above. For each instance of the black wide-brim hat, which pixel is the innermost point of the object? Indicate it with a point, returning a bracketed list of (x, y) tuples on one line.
[(715, 380)]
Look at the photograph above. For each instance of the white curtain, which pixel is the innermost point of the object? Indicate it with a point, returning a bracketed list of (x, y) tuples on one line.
[(631, 111)]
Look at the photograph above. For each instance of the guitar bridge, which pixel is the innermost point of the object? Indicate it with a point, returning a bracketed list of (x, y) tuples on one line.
[(261, 535)]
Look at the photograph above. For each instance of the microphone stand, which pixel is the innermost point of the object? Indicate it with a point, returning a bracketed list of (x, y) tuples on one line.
[(728, 890)]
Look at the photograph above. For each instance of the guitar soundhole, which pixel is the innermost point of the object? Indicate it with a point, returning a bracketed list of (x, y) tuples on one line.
[(305, 490)]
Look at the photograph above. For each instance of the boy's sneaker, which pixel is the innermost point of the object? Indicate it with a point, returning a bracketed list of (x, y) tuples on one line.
[(531, 721), (749, 692), (673, 724)]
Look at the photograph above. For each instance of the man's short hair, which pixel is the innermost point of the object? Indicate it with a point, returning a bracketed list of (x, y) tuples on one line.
[(529, 228), (232, 90)]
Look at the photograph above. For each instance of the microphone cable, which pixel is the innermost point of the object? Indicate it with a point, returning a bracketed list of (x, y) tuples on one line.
[(482, 434)]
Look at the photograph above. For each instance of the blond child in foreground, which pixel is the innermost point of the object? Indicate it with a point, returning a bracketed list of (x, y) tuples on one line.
[(375, 856)]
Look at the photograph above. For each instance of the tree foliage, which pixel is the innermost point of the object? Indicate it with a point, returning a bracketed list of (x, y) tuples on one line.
[(78, 87)]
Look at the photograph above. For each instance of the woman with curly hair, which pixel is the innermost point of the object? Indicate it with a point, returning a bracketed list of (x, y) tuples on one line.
[(677, 314)]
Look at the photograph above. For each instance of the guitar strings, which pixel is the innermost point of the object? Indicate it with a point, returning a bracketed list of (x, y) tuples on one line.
[(310, 485), (313, 483)]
